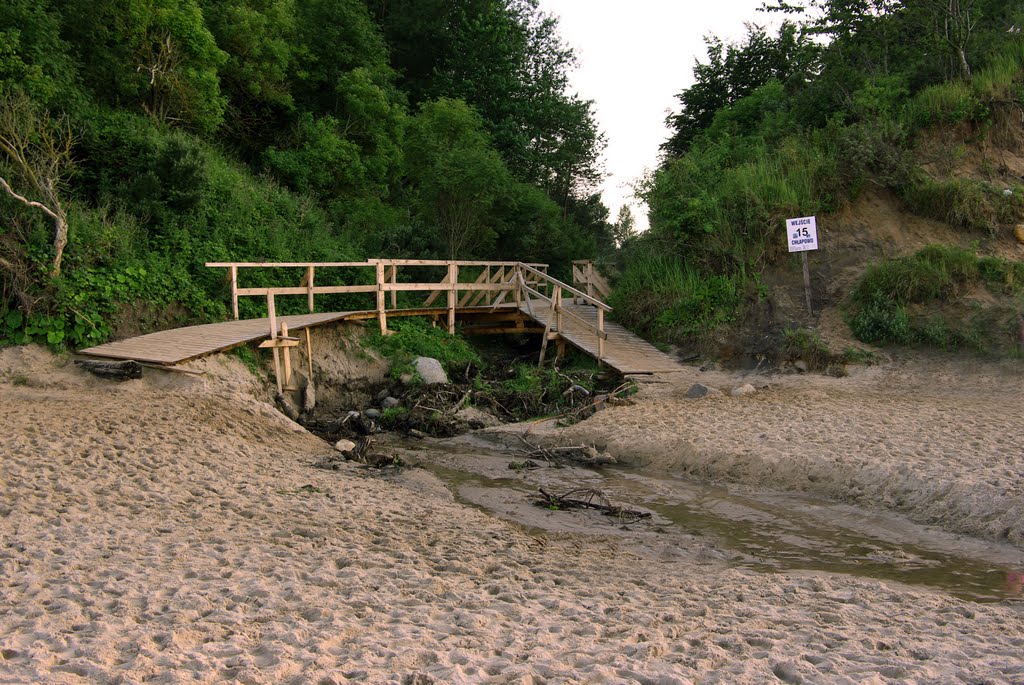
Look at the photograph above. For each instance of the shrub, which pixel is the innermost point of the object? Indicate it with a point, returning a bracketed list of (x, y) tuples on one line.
[(915, 300), (414, 337)]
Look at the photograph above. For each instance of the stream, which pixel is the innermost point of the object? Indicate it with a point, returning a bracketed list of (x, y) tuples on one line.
[(761, 530)]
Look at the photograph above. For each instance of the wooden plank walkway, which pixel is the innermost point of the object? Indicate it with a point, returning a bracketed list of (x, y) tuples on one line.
[(181, 344), (623, 351)]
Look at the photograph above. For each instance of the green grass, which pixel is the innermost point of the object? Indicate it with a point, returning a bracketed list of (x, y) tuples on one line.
[(414, 337), (918, 301), (662, 296)]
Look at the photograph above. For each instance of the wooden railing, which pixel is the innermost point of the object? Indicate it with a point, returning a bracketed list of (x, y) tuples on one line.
[(496, 285), (557, 311), (586, 278)]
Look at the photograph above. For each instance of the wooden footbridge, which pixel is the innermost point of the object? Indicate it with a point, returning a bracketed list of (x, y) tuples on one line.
[(480, 297)]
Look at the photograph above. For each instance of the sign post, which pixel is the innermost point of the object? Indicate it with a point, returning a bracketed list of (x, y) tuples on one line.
[(803, 237)]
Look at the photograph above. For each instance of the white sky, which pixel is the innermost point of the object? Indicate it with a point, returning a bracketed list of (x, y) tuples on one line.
[(633, 59)]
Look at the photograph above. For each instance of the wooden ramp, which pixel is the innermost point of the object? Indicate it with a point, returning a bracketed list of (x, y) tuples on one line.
[(181, 344), (623, 351)]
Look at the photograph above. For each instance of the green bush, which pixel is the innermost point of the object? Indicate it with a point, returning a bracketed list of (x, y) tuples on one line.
[(905, 301), (415, 337), (662, 296)]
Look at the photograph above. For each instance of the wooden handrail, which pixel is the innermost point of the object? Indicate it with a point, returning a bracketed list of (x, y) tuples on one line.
[(524, 281), (565, 286)]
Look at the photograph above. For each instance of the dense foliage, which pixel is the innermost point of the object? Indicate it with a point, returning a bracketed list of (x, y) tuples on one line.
[(796, 123), (155, 135)]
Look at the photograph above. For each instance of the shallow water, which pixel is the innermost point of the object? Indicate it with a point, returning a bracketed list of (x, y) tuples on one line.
[(765, 531)]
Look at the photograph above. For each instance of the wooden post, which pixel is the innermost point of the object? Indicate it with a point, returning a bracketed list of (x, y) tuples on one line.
[(394, 293), (287, 359), (234, 291), (309, 355), (309, 288), (590, 279), (600, 334), (381, 314), (557, 304), (272, 315), (807, 282), (453, 281)]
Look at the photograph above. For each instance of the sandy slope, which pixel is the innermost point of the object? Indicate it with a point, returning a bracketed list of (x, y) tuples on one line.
[(171, 530)]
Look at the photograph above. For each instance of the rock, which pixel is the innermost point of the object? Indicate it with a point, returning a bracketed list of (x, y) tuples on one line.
[(801, 366), (382, 394), (344, 445), (389, 402), (477, 418), (372, 414), (431, 371), (700, 390), (741, 390), (1018, 233), (418, 434)]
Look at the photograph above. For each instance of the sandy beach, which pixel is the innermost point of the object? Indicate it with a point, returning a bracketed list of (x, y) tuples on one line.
[(173, 530)]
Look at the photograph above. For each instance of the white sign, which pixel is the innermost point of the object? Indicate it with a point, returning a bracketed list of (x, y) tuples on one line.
[(802, 234)]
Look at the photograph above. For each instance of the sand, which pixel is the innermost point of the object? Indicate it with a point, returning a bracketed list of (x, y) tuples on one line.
[(172, 530)]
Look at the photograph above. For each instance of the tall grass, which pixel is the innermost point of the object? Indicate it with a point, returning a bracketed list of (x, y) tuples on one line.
[(660, 295)]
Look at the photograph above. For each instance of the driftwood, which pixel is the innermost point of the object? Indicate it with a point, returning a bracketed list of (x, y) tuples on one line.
[(118, 371), (584, 498), (580, 454)]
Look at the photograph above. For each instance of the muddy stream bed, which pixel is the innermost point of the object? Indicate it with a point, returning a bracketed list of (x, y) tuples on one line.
[(762, 530)]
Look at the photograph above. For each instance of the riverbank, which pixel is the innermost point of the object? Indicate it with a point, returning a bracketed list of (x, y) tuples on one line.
[(937, 440), (172, 529)]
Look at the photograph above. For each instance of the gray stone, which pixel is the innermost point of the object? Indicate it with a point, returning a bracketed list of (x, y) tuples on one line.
[(382, 394), (700, 390), (801, 366), (741, 390), (389, 402), (371, 413), (431, 371), (344, 445)]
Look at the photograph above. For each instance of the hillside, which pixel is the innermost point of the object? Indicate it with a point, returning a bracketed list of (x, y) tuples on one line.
[(913, 167)]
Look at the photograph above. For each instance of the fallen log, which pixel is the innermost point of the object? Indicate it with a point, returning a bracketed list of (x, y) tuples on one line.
[(117, 371)]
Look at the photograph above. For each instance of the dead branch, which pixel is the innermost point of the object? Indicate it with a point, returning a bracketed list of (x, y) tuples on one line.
[(584, 498)]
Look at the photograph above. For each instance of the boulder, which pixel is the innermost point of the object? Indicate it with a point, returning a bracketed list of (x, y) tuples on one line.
[(698, 390), (382, 394), (431, 371), (801, 366), (389, 402), (372, 414)]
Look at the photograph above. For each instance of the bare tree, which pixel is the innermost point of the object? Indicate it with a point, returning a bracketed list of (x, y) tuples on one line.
[(36, 150)]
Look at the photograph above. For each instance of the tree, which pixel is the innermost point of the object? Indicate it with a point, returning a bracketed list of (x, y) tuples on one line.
[(455, 173), (955, 21), (733, 72), (36, 153), (156, 54), (624, 228)]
